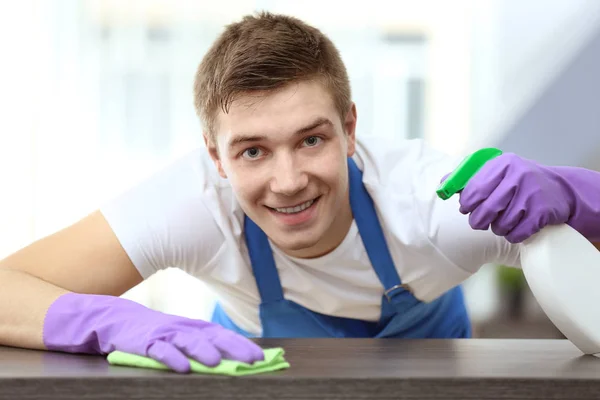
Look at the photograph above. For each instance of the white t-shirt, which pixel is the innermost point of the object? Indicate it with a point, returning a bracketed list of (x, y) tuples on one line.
[(187, 217)]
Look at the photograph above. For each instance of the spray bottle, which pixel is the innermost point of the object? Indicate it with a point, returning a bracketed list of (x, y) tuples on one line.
[(561, 266)]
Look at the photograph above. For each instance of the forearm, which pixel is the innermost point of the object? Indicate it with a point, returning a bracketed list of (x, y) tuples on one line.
[(24, 300)]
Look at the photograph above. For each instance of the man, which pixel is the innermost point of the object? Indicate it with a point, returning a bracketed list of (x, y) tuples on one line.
[(300, 229)]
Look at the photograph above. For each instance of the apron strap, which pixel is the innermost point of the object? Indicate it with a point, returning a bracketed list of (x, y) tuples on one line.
[(369, 228), (263, 263)]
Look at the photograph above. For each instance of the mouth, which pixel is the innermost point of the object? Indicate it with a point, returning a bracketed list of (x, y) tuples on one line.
[(295, 209), (298, 214)]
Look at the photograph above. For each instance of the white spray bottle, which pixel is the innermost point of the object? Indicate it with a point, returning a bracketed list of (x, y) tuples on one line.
[(561, 267)]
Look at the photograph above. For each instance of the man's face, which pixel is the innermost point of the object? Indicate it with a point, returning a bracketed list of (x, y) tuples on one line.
[(285, 155)]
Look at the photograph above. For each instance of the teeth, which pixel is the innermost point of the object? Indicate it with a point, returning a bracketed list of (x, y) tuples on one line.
[(292, 210)]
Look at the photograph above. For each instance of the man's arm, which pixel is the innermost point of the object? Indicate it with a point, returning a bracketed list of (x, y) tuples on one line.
[(85, 257)]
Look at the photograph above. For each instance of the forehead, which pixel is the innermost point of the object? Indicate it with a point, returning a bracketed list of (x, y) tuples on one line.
[(278, 112)]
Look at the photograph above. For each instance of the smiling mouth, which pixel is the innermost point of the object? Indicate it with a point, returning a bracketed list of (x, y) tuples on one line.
[(295, 209)]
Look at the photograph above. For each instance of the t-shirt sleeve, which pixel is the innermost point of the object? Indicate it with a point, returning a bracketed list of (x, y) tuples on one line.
[(467, 248), (166, 220), (449, 230)]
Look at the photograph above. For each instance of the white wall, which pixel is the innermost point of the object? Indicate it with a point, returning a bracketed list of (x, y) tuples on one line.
[(518, 48)]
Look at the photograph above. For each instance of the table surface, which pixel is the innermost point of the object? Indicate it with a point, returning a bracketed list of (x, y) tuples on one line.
[(328, 369)]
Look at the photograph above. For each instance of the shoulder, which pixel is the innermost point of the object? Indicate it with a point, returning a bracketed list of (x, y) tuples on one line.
[(177, 216), (402, 166), (185, 184), (402, 177)]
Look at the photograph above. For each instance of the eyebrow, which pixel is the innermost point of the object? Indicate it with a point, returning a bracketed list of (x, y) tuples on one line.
[(246, 138)]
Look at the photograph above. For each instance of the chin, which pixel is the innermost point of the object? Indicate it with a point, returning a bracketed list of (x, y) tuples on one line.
[(295, 242)]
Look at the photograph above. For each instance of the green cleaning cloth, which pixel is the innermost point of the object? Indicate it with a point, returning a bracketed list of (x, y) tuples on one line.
[(273, 361)]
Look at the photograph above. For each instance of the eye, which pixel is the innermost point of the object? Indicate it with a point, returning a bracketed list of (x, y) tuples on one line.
[(252, 153), (312, 141)]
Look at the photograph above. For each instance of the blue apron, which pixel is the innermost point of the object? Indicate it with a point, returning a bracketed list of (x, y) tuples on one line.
[(402, 315)]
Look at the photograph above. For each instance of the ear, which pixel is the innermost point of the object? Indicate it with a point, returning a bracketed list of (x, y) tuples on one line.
[(350, 129), (213, 151)]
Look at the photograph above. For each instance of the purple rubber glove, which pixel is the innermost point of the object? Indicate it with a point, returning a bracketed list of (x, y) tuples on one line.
[(516, 198), (95, 324)]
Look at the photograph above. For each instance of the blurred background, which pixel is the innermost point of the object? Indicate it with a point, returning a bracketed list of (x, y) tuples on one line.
[(96, 94)]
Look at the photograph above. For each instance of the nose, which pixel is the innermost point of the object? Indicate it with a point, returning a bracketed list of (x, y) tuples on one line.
[(288, 179)]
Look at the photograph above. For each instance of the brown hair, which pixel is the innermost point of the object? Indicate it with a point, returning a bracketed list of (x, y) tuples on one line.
[(264, 53)]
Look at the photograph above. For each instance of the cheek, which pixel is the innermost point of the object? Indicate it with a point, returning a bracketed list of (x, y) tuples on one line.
[(245, 184), (335, 173)]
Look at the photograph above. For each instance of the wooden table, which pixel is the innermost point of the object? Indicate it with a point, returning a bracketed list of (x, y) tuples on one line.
[(328, 369)]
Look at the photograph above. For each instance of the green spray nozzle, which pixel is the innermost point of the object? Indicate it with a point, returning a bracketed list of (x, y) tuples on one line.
[(458, 179)]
